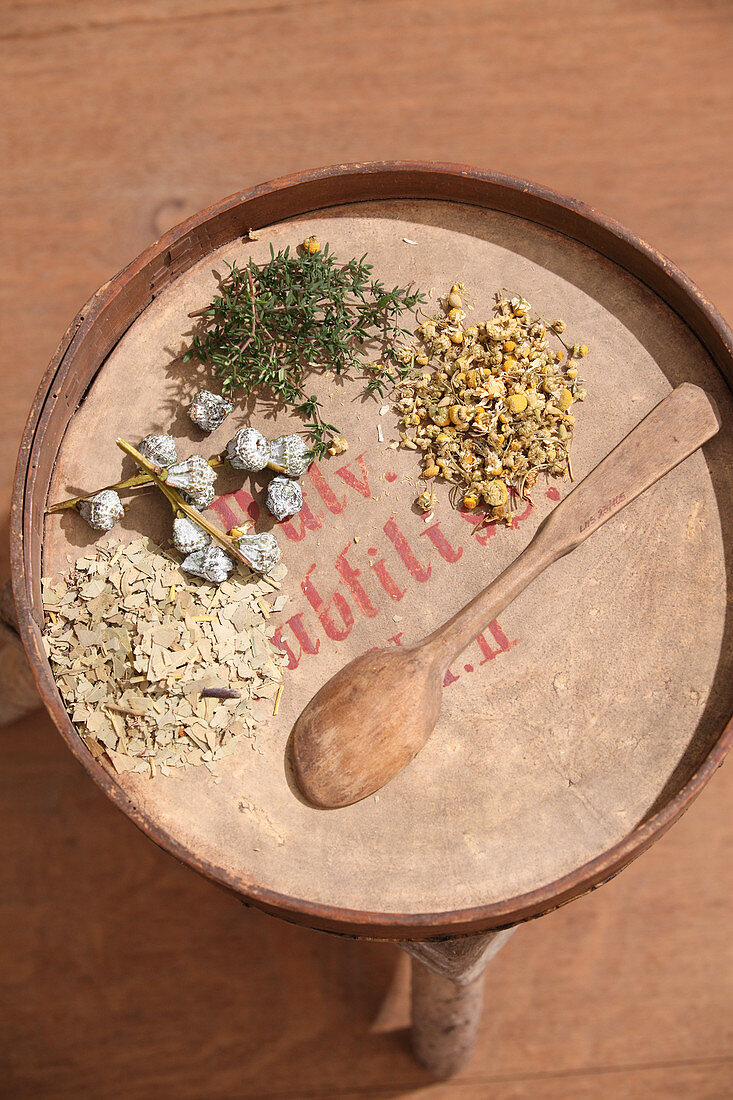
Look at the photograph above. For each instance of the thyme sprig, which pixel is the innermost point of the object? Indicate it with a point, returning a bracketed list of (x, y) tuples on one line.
[(274, 324)]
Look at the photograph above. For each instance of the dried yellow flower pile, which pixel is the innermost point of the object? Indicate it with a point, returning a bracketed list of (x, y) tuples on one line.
[(133, 642), (496, 410)]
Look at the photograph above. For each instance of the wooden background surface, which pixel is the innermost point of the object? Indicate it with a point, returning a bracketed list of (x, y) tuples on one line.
[(124, 975)]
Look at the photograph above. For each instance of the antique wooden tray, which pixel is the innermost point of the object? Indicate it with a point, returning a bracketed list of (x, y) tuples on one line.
[(582, 724)]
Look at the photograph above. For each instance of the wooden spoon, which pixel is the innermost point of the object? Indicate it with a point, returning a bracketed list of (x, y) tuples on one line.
[(370, 719)]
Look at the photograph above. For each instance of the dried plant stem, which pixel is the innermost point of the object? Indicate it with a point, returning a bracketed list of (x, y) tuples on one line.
[(129, 483), (179, 504), (220, 693), (140, 481)]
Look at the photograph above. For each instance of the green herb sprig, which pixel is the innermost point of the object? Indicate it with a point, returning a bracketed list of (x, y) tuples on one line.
[(274, 324)]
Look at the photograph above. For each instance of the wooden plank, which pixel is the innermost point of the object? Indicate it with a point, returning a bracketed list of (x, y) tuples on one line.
[(40, 19)]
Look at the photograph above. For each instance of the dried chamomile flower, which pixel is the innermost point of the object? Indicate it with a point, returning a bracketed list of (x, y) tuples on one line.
[(160, 449), (188, 536), (211, 563), (248, 450), (495, 492), (195, 478), (262, 550), (454, 299), (426, 501), (284, 497), (291, 453), (209, 410), (102, 510), (339, 444)]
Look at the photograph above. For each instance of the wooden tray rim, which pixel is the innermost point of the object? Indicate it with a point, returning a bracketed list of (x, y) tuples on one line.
[(161, 264)]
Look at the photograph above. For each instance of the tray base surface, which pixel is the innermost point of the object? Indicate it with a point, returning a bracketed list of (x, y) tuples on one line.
[(584, 709)]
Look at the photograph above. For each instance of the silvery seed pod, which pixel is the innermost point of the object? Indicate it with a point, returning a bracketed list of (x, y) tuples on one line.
[(160, 449), (102, 510), (248, 450), (188, 536), (195, 478), (200, 498), (262, 551), (213, 564), (208, 410), (290, 452), (284, 497)]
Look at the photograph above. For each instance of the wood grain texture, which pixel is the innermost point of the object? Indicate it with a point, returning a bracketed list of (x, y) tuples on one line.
[(111, 136), (128, 978)]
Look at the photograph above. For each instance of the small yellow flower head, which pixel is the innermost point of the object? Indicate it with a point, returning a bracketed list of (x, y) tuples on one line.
[(459, 415), (517, 402), (496, 493), (339, 444), (311, 245), (439, 415), (426, 501)]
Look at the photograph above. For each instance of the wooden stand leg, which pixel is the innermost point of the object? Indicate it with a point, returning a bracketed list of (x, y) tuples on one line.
[(18, 695), (447, 997)]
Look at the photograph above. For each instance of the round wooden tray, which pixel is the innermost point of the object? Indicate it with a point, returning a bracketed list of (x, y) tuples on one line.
[(582, 724)]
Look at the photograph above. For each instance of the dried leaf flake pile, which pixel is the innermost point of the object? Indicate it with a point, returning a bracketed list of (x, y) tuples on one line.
[(133, 642)]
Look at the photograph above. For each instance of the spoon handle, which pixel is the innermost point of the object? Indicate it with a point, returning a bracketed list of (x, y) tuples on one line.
[(678, 425)]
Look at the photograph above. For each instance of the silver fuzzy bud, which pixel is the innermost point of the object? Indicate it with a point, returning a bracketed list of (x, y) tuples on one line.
[(261, 551), (188, 536), (213, 564), (160, 449), (102, 510), (209, 410), (284, 497), (290, 452), (201, 497), (248, 450), (195, 478)]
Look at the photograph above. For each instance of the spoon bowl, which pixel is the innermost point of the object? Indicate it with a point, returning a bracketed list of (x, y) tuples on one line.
[(366, 724)]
